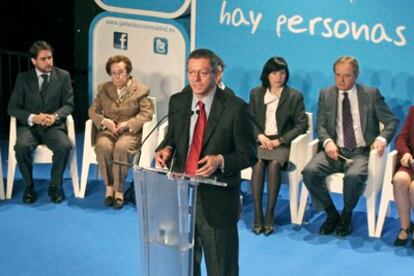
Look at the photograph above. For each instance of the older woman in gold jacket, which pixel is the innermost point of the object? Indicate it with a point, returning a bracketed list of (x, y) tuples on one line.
[(119, 112)]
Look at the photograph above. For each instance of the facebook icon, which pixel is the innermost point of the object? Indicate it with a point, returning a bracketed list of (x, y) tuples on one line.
[(120, 40)]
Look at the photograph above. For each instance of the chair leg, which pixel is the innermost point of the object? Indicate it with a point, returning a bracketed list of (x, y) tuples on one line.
[(383, 209), (304, 194), (84, 178), (74, 173), (371, 202), (293, 196), (2, 195), (11, 169), (97, 175)]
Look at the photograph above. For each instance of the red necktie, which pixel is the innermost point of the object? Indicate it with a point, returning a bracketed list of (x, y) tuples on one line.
[(195, 150)]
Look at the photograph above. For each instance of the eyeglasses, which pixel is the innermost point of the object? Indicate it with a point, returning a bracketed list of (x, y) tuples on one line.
[(119, 73), (201, 73)]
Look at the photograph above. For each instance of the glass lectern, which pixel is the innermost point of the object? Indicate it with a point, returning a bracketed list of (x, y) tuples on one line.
[(166, 218)]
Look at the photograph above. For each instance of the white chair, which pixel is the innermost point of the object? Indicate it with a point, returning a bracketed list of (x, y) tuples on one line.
[(297, 160), (387, 194), (334, 181), (42, 155), (89, 156), (1, 181)]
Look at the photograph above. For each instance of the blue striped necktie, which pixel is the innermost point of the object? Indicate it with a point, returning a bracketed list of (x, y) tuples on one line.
[(347, 123)]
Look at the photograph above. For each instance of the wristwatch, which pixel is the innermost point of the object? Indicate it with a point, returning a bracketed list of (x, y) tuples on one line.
[(56, 117)]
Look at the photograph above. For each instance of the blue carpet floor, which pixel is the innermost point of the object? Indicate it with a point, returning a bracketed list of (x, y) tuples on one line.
[(82, 237)]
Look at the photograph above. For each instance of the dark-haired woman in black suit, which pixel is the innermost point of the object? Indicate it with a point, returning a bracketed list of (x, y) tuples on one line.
[(280, 117)]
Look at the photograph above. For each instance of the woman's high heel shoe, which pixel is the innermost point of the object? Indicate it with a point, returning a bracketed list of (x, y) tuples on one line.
[(268, 229), (257, 229), (268, 226), (401, 242)]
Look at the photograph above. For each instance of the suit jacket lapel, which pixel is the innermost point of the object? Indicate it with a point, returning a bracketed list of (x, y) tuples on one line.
[(333, 106), (186, 118), (183, 125), (112, 93), (217, 107), (261, 109), (34, 84), (284, 97), (52, 83), (362, 106)]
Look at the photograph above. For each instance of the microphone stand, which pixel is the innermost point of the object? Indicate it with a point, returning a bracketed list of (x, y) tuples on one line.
[(130, 192), (137, 156)]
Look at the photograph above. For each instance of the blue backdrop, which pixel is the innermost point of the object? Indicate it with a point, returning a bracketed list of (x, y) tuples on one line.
[(159, 8), (159, 5), (310, 35)]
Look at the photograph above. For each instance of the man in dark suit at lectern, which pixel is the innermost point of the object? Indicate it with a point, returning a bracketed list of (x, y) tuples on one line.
[(41, 100), (210, 134)]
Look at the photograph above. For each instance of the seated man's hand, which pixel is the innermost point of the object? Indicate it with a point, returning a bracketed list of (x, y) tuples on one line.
[(378, 146), (162, 156), (331, 150), (209, 164), (50, 119), (406, 160), (40, 119)]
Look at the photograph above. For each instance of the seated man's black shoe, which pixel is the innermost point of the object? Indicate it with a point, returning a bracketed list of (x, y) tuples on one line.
[(329, 226), (344, 227), (51, 190), (29, 195), (58, 196)]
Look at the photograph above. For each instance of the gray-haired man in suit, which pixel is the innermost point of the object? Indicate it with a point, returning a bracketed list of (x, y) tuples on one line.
[(348, 125), (41, 100), (226, 146)]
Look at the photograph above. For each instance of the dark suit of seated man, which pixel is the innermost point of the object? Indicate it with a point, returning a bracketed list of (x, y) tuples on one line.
[(211, 132), (348, 125), (41, 100)]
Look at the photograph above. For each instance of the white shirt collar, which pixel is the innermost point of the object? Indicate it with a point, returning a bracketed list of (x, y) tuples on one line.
[(207, 100), (39, 73), (269, 97), (350, 91)]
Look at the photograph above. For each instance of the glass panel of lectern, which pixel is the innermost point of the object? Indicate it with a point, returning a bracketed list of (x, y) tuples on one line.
[(166, 205)]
